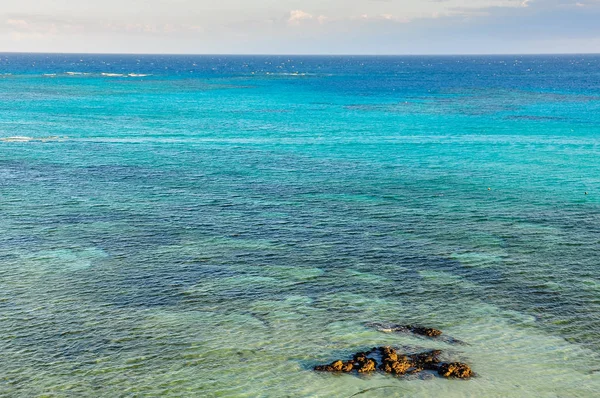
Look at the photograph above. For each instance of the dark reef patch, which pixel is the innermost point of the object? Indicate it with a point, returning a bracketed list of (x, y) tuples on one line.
[(416, 330), (398, 364)]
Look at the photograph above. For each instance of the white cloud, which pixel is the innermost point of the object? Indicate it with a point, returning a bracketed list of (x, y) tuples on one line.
[(322, 19), (394, 18), (45, 26), (17, 23), (297, 16)]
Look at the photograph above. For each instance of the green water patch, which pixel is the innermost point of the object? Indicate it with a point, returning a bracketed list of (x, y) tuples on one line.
[(62, 260)]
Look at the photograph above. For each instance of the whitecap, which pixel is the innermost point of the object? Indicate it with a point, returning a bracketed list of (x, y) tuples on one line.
[(17, 138), (112, 74), (22, 138), (137, 75)]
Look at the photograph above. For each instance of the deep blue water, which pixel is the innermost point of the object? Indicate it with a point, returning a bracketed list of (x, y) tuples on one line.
[(217, 225)]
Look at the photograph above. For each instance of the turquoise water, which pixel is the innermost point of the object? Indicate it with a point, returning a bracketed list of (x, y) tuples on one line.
[(216, 226)]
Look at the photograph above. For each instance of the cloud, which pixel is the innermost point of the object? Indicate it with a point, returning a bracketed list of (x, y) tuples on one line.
[(22, 27), (382, 17), (39, 26), (297, 16), (376, 26), (19, 24)]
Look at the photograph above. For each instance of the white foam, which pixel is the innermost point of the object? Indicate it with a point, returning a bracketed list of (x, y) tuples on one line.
[(17, 138), (137, 75), (22, 138), (112, 74)]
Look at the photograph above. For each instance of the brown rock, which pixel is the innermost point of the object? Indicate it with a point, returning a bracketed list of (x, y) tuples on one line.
[(396, 367), (337, 366), (428, 332), (386, 366), (369, 366), (455, 369), (360, 357), (347, 366), (388, 354), (426, 360)]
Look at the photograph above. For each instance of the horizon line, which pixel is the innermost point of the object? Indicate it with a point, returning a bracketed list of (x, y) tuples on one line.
[(300, 54)]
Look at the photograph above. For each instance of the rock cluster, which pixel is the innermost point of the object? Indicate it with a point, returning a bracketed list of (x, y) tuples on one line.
[(398, 364), (455, 369), (419, 330), (337, 366), (416, 330), (429, 332)]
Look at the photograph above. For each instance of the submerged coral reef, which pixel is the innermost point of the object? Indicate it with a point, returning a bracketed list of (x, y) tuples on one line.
[(392, 362)]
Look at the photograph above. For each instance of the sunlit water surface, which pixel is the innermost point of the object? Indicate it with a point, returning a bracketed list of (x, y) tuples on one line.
[(216, 226)]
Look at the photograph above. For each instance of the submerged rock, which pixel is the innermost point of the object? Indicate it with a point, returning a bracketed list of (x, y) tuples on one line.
[(455, 369), (416, 330), (422, 331), (399, 364), (369, 366), (391, 362), (394, 328), (388, 354), (348, 366), (396, 367), (426, 360), (337, 366), (361, 357)]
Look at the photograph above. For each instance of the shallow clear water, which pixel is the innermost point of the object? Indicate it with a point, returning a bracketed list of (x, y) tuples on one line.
[(216, 226)]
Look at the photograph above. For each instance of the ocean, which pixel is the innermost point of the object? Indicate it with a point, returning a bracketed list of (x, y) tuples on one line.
[(216, 226)]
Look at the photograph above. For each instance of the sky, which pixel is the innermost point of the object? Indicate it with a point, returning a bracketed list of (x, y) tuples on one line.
[(301, 26)]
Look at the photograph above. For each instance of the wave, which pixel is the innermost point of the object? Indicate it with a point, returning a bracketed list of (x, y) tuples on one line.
[(17, 138), (295, 74), (103, 74), (291, 74), (23, 138)]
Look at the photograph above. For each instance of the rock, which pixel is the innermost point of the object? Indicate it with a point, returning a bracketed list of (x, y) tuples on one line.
[(455, 369), (388, 354), (337, 366), (393, 363), (421, 331), (369, 366), (396, 367), (363, 363), (394, 328), (361, 356), (348, 366), (426, 360)]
